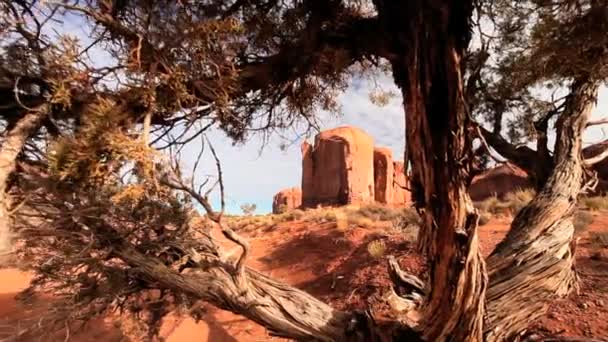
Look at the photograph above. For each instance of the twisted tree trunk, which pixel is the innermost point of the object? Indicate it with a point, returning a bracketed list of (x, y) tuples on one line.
[(12, 145), (535, 261), (440, 151)]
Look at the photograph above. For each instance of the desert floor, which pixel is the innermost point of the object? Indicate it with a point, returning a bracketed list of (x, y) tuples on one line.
[(334, 264)]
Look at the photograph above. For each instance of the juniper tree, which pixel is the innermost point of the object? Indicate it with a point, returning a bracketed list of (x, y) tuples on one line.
[(102, 209)]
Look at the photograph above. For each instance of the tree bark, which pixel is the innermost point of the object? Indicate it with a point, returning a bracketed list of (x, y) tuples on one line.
[(440, 152), (11, 147), (535, 262)]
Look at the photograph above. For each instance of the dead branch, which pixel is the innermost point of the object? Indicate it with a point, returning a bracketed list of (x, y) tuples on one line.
[(404, 282), (597, 122), (485, 145), (597, 158)]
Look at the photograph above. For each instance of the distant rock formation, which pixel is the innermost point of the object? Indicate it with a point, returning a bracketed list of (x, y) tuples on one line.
[(498, 181), (343, 167), (287, 199), (339, 169), (506, 178)]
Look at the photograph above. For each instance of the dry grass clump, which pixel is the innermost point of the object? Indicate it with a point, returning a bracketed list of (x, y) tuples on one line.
[(582, 219), (519, 199), (321, 215), (595, 203), (491, 205), (367, 216), (512, 202), (356, 219), (407, 218), (599, 239), (288, 216), (341, 220), (378, 212), (376, 248), (401, 219), (239, 223)]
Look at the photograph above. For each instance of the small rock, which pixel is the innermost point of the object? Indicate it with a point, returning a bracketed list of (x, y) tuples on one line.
[(599, 303), (583, 305)]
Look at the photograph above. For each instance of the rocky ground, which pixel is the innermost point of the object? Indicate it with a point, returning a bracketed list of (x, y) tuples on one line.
[(333, 260)]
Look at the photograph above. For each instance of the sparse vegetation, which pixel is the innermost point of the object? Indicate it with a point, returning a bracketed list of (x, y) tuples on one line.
[(599, 239), (358, 220), (291, 215), (519, 199), (248, 208), (407, 218), (378, 212), (595, 202), (376, 248), (582, 219), (490, 205), (510, 205), (342, 220)]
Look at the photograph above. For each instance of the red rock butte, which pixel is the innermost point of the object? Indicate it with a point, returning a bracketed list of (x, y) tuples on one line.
[(344, 167)]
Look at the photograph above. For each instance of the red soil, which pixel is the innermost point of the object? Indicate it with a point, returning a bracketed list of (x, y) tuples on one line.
[(336, 267)]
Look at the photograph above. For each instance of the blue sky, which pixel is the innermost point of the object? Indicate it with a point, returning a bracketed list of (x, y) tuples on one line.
[(254, 176)]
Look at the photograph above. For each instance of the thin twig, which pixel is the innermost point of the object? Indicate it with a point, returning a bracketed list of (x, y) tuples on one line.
[(484, 143), (597, 122), (597, 158), (16, 91)]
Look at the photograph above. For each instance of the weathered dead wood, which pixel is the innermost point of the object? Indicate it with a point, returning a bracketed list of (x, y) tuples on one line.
[(597, 158), (283, 309), (403, 282), (12, 145)]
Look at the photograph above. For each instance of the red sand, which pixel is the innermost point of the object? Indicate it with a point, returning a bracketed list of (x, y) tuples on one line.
[(313, 257)]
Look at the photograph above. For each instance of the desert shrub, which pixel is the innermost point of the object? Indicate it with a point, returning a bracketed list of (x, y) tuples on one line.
[(484, 218), (378, 212), (291, 215), (595, 203), (376, 248), (248, 208), (581, 220), (407, 223), (321, 215), (599, 239), (521, 195), (518, 199), (341, 220), (489, 205), (407, 217), (513, 201), (359, 220)]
